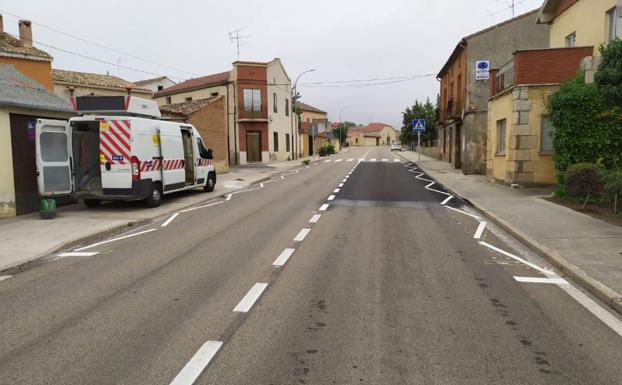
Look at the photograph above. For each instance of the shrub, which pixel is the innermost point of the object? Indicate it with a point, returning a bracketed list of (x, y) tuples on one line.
[(306, 162), (584, 179), (612, 189), (608, 78)]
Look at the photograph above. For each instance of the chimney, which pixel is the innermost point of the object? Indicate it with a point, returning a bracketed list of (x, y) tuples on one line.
[(25, 33), (1, 24)]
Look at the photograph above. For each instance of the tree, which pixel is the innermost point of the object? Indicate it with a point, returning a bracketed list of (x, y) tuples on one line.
[(419, 110), (608, 79), (342, 131)]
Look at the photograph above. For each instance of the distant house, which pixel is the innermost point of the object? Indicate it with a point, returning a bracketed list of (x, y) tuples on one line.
[(313, 121), (74, 83), (464, 94), (209, 117), (156, 84), (257, 95), (374, 134)]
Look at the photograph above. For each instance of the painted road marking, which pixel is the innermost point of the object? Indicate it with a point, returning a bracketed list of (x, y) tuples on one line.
[(338, 160), (170, 220), (230, 195), (330, 197), (361, 159), (328, 160), (350, 160), (315, 218), (480, 230), (385, 159), (4, 277), (447, 200), (463, 212), (78, 254), (250, 298), (336, 190), (340, 185), (283, 257), (372, 160), (115, 239), (202, 207), (519, 259), (324, 207), (396, 160), (344, 180), (197, 363), (558, 281), (301, 235)]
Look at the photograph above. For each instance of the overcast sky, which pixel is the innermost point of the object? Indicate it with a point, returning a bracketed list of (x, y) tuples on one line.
[(340, 39)]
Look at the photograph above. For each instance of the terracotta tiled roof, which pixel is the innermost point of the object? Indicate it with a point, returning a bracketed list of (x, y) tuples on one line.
[(10, 46), (94, 80), (187, 108), (305, 107), (369, 129), (18, 90), (147, 81), (196, 83)]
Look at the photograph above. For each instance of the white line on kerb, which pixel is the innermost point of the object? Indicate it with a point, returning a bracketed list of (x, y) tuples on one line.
[(336, 190), (519, 259), (283, 257), (250, 298), (5, 277), (78, 254), (197, 363), (557, 281), (447, 200), (330, 197), (169, 220), (480, 230), (115, 239), (315, 218), (324, 207), (201, 207), (301, 235)]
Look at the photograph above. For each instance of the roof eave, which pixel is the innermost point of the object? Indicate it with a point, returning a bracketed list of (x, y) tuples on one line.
[(25, 56), (162, 93), (66, 83), (15, 104)]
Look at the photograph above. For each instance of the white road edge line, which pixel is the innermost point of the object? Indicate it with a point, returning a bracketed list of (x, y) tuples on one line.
[(558, 281), (301, 235), (480, 230), (202, 207), (250, 298), (463, 212), (324, 207), (170, 220), (5, 277), (519, 259), (447, 200), (330, 198), (372, 160), (78, 254), (197, 363), (340, 185), (336, 190), (315, 218), (283, 257), (115, 239)]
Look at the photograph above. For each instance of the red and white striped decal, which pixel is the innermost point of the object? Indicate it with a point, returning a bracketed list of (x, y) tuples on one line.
[(173, 164), (150, 165), (114, 141), (205, 162)]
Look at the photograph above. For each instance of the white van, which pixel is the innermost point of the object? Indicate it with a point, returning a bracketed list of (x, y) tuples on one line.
[(116, 153)]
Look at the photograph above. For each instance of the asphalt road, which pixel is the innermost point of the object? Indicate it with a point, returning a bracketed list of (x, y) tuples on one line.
[(390, 284)]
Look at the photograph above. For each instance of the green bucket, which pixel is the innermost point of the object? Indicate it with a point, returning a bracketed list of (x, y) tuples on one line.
[(47, 208)]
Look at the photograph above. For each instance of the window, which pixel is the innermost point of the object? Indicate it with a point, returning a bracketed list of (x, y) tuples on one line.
[(168, 100), (286, 107), (501, 124), (160, 88), (546, 134), (189, 99), (213, 94), (252, 99), (287, 144), (276, 141), (571, 40), (274, 103), (613, 24)]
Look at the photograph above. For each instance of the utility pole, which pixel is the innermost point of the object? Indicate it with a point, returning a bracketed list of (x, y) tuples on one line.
[(295, 115), (235, 36), (341, 126)]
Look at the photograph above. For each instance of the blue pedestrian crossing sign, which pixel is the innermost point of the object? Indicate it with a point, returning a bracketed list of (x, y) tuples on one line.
[(418, 125)]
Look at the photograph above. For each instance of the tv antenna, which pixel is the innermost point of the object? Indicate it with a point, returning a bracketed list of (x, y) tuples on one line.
[(235, 36)]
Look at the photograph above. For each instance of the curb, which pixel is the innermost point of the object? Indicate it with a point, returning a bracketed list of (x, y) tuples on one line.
[(593, 286)]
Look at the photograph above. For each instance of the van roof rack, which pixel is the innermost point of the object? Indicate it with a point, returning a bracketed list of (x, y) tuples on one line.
[(116, 105)]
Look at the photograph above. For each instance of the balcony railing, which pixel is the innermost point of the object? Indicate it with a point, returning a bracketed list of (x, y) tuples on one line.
[(253, 113), (454, 108), (504, 79)]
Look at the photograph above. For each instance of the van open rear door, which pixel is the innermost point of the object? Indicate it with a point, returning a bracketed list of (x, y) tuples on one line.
[(173, 170), (53, 149)]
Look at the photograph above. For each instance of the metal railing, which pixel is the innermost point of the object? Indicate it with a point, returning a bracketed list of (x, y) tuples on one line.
[(252, 112)]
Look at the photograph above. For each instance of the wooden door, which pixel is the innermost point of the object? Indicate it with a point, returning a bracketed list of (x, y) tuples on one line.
[(24, 163), (253, 146)]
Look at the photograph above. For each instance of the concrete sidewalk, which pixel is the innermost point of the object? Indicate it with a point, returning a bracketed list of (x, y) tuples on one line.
[(586, 249), (28, 237)]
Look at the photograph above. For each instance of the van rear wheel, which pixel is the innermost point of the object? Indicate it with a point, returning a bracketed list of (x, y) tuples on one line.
[(92, 202), (155, 196), (211, 182)]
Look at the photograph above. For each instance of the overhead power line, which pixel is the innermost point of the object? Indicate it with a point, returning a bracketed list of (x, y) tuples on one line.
[(101, 45)]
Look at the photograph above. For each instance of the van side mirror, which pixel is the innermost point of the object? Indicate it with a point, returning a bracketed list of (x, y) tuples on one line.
[(210, 154)]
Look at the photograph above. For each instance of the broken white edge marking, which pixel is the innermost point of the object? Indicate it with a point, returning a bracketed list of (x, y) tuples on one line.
[(338, 160), (430, 185), (301, 235), (385, 159), (283, 257), (447, 200), (250, 298), (229, 197), (78, 254), (115, 239), (330, 197), (201, 207), (5, 277), (197, 363), (372, 160), (480, 230), (282, 177), (558, 281), (328, 160), (396, 160), (261, 184), (463, 212), (340, 185), (166, 223), (336, 190), (519, 259), (350, 160), (324, 207), (315, 218)]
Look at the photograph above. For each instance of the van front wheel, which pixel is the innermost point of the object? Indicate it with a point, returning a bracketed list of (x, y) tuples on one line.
[(92, 202), (155, 196), (211, 182)]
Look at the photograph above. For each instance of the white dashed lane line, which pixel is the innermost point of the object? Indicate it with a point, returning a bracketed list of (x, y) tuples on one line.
[(5, 277), (558, 281), (197, 363), (335, 191), (78, 254), (283, 257), (302, 234), (330, 197), (480, 230), (324, 207), (250, 298), (168, 221), (315, 218)]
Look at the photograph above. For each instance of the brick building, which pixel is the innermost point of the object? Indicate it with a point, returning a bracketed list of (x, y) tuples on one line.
[(209, 117)]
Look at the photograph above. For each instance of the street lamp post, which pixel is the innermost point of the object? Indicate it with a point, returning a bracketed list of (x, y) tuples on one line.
[(295, 115), (340, 127)]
